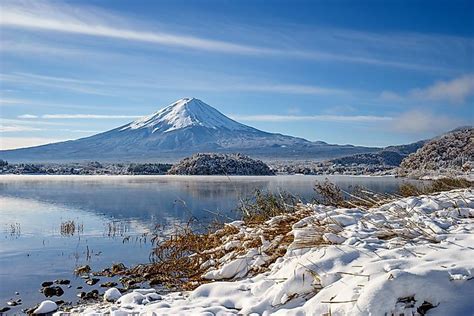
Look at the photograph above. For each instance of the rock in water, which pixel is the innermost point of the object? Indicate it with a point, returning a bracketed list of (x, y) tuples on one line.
[(118, 267), (108, 284), (82, 270), (46, 307), (52, 291), (92, 281), (221, 164), (111, 295), (62, 282)]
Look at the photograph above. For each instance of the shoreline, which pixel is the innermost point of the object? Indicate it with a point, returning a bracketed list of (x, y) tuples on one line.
[(172, 176), (308, 285)]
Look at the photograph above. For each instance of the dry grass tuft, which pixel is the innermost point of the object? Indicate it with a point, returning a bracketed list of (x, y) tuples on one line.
[(331, 195), (69, 228), (181, 258), (438, 185), (266, 205), (177, 257)]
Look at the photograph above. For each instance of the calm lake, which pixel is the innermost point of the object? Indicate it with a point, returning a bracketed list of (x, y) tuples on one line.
[(113, 218)]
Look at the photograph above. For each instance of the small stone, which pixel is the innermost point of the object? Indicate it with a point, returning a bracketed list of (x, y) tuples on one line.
[(30, 311), (79, 287), (62, 281), (108, 284), (92, 281), (82, 270), (47, 283), (153, 297), (4, 309), (17, 293), (13, 303), (52, 291), (94, 294), (118, 267)]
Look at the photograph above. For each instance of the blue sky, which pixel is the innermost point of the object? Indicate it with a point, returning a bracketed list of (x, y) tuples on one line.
[(360, 72)]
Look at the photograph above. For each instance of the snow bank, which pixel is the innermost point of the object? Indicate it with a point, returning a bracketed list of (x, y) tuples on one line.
[(406, 257)]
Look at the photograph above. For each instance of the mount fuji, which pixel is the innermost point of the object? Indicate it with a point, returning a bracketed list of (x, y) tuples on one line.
[(182, 128)]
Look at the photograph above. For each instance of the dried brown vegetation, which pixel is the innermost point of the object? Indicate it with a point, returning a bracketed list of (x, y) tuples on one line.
[(180, 258), (69, 228), (330, 194), (438, 185), (266, 205)]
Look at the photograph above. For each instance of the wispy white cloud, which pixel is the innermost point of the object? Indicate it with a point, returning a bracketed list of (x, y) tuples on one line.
[(10, 101), (116, 87), (308, 118), (87, 116), (17, 128), (33, 122), (422, 121), (456, 90), (7, 142), (63, 18), (28, 116), (58, 79), (47, 104), (285, 88), (75, 116), (73, 85)]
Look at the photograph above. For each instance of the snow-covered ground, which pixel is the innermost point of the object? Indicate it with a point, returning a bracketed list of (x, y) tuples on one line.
[(408, 257)]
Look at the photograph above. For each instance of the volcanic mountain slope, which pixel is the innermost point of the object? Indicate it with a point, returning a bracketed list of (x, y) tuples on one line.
[(184, 127)]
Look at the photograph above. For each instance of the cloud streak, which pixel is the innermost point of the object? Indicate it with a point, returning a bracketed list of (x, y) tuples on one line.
[(57, 19), (455, 91), (17, 128), (78, 86), (422, 121), (88, 116), (76, 116), (97, 87), (77, 20), (21, 142), (309, 118)]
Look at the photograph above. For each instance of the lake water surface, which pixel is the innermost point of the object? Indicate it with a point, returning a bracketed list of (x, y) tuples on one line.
[(112, 216)]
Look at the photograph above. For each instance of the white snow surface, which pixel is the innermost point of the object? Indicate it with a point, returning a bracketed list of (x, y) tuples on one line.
[(184, 113), (46, 307), (112, 295), (387, 260)]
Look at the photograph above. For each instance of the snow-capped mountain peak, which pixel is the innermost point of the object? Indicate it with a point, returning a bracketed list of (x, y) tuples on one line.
[(184, 113)]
